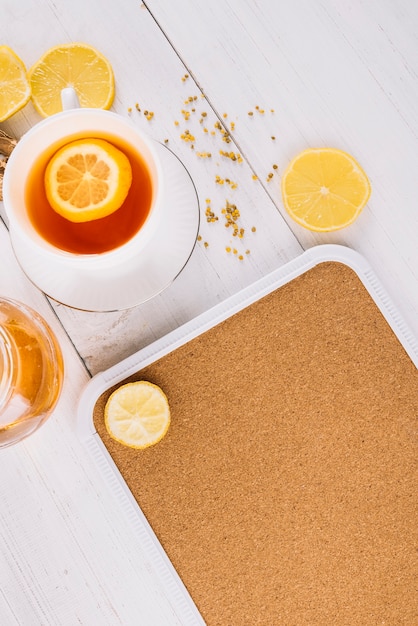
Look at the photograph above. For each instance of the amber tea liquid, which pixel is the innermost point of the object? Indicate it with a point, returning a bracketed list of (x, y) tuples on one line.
[(31, 371), (96, 236)]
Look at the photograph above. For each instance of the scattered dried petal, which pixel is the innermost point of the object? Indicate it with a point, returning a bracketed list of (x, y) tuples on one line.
[(7, 143)]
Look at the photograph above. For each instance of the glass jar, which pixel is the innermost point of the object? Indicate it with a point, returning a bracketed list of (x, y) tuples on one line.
[(31, 371)]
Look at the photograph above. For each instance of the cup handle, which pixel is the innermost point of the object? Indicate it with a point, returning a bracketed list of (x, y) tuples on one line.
[(69, 99)]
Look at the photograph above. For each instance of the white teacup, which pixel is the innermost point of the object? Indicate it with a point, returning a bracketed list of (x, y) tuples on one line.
[(39, 144)]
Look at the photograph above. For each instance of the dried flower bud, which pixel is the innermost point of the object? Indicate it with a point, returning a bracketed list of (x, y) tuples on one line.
[(7, 143)]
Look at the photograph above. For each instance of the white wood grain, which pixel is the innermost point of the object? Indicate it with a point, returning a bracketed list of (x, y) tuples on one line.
[(335, 73), (149, 72), (68, 553)]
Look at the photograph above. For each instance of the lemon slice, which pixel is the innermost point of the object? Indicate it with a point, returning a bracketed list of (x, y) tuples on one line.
[(87, 179), (324, 189), (76, 65), (137, 414), (14, 85)]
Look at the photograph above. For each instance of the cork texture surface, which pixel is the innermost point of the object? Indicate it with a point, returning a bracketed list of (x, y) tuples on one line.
[(284, 492)]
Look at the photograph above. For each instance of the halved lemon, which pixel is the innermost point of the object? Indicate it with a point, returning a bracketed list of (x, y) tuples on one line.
[(76, 65), (324, 189), (14, 85), (87, 179), (137, 414)]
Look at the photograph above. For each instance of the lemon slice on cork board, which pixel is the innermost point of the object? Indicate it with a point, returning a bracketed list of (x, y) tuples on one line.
[(137, 414)]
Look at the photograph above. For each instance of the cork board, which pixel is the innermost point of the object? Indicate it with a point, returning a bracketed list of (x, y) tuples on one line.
[(285, 489)]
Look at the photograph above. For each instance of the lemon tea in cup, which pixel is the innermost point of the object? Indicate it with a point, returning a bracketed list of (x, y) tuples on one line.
[(111, 239), (92, 235)]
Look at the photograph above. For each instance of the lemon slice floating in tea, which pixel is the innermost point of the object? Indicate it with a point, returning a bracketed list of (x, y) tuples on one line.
[(137, 414), (324, 189), (14, 85), (76, 65), (87, 179)]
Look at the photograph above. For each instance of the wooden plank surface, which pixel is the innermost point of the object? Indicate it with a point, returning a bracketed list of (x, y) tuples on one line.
[(334, 73)]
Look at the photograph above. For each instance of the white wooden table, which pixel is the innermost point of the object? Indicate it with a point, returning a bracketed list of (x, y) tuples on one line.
[(333, 73)]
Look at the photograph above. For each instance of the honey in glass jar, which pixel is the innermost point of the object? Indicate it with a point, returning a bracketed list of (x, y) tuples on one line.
[(31, 371)]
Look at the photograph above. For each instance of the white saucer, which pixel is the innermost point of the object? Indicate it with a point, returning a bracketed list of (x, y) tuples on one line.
[(143, 277)]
